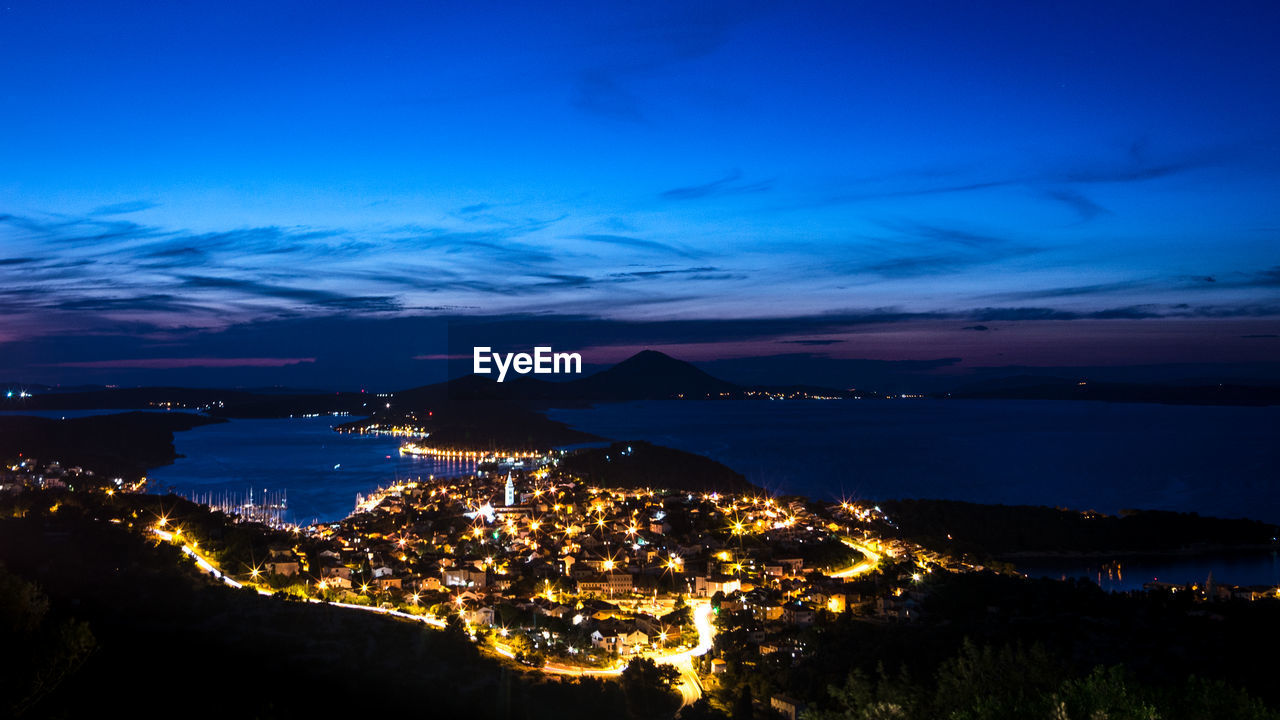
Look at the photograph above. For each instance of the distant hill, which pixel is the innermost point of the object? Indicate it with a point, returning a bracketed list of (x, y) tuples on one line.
[(485, 423), (1011, 530), (643, 465), (649, 375), (1041, 388), (125, 445)]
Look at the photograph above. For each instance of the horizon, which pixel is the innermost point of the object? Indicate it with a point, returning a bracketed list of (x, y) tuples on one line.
[(350, 195)]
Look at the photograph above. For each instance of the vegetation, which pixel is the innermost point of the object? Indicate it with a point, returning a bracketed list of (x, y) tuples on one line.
[(124, 445), (641, 464), (146, 620), (992, 646), (1011, 682), (995, 530)]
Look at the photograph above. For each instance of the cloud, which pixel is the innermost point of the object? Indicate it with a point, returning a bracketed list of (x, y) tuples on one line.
[(635, 242), (979, 328), (161, 302), (815, 343), (124, 208), (168, 363), (652, 41), (1083, 206), (920, 250), (1070, 291), (1053, 180), (1259, 336), (730, 184), (600, 92), (659, 273)]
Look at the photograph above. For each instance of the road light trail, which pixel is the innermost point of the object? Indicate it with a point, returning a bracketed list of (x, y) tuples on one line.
[(867, 565)]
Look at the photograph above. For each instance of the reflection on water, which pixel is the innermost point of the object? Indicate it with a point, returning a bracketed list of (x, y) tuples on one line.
[(321, 470)]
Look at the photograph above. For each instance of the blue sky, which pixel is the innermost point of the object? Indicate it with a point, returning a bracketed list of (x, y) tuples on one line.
[(989, 183)]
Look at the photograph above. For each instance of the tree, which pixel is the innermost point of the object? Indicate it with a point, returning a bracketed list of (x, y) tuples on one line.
[(701, 709), (743, 705), (1104, 693), (648, 688), (36, 652)]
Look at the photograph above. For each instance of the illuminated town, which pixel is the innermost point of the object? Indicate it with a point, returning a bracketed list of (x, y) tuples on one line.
[(573, 579)]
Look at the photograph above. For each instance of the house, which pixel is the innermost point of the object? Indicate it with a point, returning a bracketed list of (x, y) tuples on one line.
[(337, 581), (464, 577), (787, 648), (480, 616), (785, 706), (615, 637), (429, 583), (798, 615), (708, 586), (791, 566), (283, 567), (386, 583), (383, 571)]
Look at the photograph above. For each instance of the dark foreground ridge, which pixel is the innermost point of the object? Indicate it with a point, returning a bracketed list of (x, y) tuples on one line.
[(99, 621)]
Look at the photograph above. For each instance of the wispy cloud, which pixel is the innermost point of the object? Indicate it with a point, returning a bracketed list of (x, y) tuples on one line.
[(730, 184), (1077, 201), (124, 208), (637, 243)]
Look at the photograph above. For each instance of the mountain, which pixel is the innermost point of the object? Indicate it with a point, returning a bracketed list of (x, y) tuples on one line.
[(650, 375)]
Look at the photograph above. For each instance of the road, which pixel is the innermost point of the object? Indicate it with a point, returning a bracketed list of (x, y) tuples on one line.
[(690, 686), (869, 562)]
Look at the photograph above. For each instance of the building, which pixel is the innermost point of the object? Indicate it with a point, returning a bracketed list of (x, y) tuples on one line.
[(283, 567), (610, 583), (787, 707)]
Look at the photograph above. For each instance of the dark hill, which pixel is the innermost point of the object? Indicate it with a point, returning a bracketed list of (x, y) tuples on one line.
[(641, 465), (1023, 388), (126, 445), (649, 375), (494, 424)]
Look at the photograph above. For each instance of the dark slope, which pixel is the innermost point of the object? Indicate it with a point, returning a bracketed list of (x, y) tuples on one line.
[(1033, 388), (126, 444), (642, 465)]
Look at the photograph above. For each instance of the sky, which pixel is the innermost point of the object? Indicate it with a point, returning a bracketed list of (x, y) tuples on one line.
[(343, 194)]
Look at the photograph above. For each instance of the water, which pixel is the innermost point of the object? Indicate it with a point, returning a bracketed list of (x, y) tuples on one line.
[(322, 470), (1220, 461), (1247, 569), (1214, 460)]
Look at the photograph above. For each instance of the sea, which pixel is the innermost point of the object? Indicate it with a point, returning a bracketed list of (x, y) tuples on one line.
[(1219, 461)]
